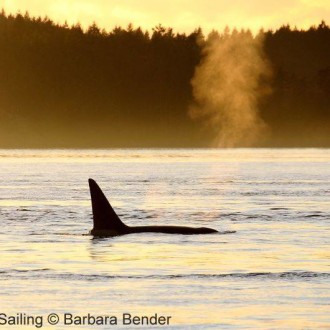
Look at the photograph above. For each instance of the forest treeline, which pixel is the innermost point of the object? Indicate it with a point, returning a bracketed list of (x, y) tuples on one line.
[(62, 86)]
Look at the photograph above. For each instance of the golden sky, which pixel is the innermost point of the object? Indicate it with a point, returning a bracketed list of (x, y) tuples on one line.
[(182, 15)]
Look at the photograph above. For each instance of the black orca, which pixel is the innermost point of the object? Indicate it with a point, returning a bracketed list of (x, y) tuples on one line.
[(107, 222)]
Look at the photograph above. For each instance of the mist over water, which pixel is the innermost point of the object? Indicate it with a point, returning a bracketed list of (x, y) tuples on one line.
[(227, 86)]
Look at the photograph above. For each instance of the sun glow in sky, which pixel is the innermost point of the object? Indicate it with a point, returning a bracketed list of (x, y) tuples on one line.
[(182, 15)]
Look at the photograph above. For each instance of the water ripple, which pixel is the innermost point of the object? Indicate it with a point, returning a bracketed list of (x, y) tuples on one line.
[(51, 274)]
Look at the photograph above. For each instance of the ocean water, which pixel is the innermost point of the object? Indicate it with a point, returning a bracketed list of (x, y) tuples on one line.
[(267, 268)]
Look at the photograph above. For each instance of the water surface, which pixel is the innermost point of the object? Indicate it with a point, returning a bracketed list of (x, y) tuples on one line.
[(268, 268)]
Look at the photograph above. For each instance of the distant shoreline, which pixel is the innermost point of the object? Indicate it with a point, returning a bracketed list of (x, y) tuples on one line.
[(62, 87)]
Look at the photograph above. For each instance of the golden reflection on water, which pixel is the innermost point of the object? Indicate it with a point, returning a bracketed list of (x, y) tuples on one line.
[(162, 155), (25, 203)]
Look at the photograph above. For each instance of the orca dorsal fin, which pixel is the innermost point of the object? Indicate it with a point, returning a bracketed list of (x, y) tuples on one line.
[(104, 217)]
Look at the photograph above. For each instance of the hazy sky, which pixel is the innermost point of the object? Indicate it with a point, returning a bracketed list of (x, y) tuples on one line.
[(182, 15)]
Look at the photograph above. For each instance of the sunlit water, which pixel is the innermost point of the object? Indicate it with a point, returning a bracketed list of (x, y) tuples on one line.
[(268, 268)]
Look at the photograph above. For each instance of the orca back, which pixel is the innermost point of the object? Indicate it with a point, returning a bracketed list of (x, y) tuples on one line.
[(108, 224)]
